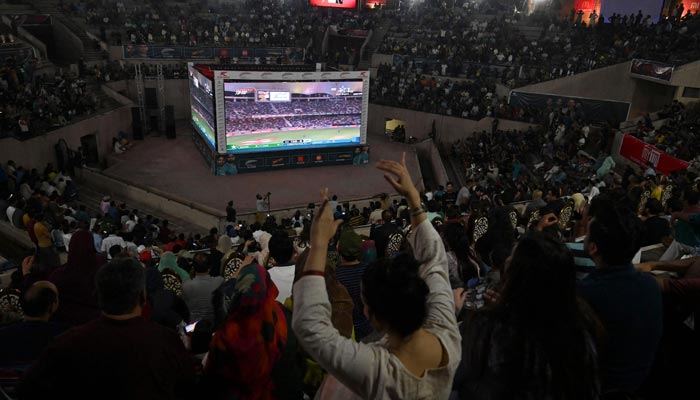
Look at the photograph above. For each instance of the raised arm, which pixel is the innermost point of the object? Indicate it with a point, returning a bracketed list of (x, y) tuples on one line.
[(356, 365), (427, 246)]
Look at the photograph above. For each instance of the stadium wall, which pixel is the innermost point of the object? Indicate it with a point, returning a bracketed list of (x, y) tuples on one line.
[(687, 75), (37, 151), (177, 93), (428, 151), (419, 124), (34, 42), (609, 83), (69, 46), (378, 59)]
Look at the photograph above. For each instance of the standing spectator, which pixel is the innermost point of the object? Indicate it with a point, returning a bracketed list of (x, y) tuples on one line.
[(410, 300), (349, 273), (627, 302), (282, 274), (537, 341), (252, 354), (230, 212), (382, 234), (104, 205), (75, 280), (197, 292), (148, 360), (47, 252)]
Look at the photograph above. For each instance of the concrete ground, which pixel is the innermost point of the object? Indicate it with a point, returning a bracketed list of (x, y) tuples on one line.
[(175, 166)]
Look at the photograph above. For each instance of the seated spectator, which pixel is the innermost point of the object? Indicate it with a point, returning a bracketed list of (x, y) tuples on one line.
[(164, 306), (197, 292), (118, 147), (148, 361), (112, 240), (409, 300), (536, 203), (168, 260), (282, 274), (500, 231), (686, 228), (252, 355), (538, 340), (656, 228), (627, 302), (23, 341)]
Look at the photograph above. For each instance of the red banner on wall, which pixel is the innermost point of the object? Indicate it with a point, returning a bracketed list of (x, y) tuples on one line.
[(334, 3), (692, 5), (642, 153), (587, 6)]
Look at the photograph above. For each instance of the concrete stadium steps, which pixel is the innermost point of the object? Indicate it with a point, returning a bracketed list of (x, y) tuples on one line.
[(529, 32), (7, 8), (455, 170), (378, 34), (105, 101), (92, 197), (78, 28)]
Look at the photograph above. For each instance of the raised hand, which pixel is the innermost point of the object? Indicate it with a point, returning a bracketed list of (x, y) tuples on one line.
[(324, 225), (399, 178)]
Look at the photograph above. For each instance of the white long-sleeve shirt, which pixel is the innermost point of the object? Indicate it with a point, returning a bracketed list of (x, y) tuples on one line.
[(370, 371)]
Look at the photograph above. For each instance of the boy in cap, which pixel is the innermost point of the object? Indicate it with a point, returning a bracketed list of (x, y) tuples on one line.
[(349, 273)]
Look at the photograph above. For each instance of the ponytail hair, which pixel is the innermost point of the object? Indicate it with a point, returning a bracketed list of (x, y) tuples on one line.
[(395, 294)]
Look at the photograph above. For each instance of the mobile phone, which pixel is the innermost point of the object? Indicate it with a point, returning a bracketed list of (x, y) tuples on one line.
[(190, 328), (476, 292)]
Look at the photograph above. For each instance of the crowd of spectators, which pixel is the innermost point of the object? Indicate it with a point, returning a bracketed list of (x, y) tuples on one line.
[(675, 132), (243, 126), (32, 104), (459, 43), (245, 24), (470, 99), (455, 43), (296, 107), (478, 297), (470, 273)]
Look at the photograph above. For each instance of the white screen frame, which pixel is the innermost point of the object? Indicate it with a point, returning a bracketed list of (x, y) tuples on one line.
[(257, 76)]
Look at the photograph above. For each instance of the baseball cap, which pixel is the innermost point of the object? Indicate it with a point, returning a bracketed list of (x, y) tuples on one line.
[(349, 244)]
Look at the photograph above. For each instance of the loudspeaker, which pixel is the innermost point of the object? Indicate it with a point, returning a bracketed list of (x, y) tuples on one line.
[(169, 122), (137, 124), (151, 99)]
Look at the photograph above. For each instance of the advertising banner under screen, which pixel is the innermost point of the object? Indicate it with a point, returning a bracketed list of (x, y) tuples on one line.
[(334, 3)]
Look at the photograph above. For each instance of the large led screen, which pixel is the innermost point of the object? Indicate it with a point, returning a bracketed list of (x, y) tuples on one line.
[(275, 115), (202, 105)]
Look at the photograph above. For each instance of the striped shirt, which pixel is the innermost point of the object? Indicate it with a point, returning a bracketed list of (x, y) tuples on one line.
[(350, 276)]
